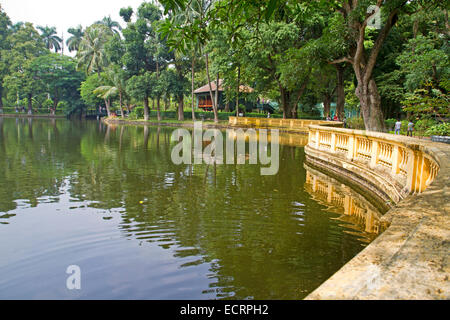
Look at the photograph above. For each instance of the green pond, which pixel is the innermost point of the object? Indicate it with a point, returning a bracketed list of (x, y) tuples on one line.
[(111, 201)]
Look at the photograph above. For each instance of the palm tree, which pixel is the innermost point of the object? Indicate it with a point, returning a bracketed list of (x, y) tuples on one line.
[(73, 43), (91, 54), (186, 15), (114, 26), (51, 40), (117, 86)]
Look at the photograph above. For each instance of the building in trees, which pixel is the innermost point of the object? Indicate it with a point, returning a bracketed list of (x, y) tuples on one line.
[(204, 101)]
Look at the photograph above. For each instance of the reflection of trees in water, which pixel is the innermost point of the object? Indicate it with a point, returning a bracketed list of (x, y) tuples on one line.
[(31, 165), (257, 233)]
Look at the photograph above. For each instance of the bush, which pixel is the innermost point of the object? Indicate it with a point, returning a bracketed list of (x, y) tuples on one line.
[(137, 113), (48, 104), (423, 125), (356, 123), (390, 124), (442, 129)]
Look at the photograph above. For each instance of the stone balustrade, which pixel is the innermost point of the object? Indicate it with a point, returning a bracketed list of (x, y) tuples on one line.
[(291, 124), (399, 160), (409, 260)]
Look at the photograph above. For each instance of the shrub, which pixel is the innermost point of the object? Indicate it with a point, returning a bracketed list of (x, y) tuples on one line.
[(356, 123), (423, 125), (442, 129), (48, 104), (137, 113), (390, 124)]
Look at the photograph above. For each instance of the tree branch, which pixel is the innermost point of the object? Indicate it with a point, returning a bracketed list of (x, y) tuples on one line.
[(341, 60), (392, 19)]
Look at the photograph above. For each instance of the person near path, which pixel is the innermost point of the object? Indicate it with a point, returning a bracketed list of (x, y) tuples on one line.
[(410, 128), (398, 126)]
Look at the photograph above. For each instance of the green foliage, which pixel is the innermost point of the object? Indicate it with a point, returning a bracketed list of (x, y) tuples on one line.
[(91, 54), (429, 102), (137, 113), (390, 124), (442, 129), (356, 123), (126, 14), (48, 103), (140, 86), (87, 88), (77, 33), (51, 40), (421, 126), (64, 106), (425, 60)]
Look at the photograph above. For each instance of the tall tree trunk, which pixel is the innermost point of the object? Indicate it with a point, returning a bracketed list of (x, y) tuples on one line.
[(216, 115), (55, 105), (193, 86), (120, 104), (295, 111), (158, 108), (158, 98), (30, 103), (285, 103), (146, 108), (370, 101), (166, 104), (340, 91), (216, 101), (181, 107), (107, 103), (127, 104), (326, 105)]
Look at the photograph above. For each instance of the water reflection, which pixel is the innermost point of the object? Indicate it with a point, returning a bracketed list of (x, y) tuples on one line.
[(355, 210), (109, 199)]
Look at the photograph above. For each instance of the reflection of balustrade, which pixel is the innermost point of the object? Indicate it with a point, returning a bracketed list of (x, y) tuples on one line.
[(353, 207), (405, 163)]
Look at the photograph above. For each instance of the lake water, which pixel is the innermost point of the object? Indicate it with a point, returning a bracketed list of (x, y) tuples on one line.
[(111, 201)]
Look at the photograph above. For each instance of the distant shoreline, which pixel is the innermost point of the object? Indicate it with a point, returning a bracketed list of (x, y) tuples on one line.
[(190, 124), (23, 115)]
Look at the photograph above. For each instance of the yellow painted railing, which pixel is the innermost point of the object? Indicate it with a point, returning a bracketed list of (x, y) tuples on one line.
[(398, 158), (293, 124)]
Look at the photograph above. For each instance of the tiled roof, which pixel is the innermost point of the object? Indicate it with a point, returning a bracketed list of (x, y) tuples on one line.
[(205, 88)]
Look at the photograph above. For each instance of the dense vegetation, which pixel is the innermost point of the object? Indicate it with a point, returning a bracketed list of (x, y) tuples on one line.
[(381, 59)]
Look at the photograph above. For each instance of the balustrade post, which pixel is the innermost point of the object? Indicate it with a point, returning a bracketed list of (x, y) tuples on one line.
[(374, 154), (317, 139), (395, 160), (411, 171), (333, 142), (351, 147)]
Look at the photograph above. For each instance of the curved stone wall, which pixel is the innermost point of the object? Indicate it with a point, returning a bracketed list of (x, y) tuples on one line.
[(410, 259), (286, 124)]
